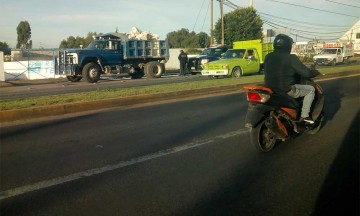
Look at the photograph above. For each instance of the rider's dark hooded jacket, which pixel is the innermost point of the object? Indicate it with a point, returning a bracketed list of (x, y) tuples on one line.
[(282, 70)]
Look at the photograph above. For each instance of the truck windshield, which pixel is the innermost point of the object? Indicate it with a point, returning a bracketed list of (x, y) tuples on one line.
[(235, 53), (211, 51), (328, 51), (96, 45)]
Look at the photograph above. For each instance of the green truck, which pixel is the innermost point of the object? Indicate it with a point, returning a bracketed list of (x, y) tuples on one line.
[(246, 57)]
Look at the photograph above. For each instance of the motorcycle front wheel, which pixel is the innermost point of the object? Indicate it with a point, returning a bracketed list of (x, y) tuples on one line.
[(262, 138)]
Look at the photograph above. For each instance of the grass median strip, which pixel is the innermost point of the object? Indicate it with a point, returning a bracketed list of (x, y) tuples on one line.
[(121, 92), (144, 90)]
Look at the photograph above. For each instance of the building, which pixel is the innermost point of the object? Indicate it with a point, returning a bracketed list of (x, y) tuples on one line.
[(353, 35)]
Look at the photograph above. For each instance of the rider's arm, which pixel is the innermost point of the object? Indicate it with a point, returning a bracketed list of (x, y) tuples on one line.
[(301, 69)]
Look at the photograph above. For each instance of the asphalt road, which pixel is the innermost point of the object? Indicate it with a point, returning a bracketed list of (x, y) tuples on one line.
[(191, 157)]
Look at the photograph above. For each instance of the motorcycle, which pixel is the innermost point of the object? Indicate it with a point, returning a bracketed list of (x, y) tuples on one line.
[(274, 117)]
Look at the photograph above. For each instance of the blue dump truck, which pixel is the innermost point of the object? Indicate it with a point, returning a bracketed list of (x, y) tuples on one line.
[(113, 53)]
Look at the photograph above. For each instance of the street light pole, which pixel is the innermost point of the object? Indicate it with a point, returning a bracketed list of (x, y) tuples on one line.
[(222, 21), (211, 23)]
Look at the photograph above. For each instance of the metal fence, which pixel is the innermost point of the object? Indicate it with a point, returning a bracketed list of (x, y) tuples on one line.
[(30, 64)]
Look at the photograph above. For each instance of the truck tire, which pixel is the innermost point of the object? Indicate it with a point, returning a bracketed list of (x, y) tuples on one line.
[(74, 78), (236, 72), (334, 62), (154, 69), (91, 72)]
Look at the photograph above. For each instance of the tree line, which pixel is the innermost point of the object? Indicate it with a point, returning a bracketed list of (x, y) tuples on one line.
[(240, 24)]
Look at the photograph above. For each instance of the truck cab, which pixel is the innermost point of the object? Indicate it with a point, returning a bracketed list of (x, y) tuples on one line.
[(329, 56), (109, 51), (234, 63), (245, 58)]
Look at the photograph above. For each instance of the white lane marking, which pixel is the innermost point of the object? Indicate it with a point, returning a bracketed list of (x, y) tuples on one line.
[(60, 180)]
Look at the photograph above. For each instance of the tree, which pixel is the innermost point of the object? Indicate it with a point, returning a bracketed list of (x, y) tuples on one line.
[(185, 39), (23, 35), (72, 42), (240, 24), (3, 45), (204, 39)]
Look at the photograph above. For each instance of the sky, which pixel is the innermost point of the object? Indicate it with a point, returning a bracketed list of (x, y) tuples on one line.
[(52, 21)]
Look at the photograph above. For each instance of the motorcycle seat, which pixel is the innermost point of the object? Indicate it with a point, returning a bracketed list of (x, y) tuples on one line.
[(287, 101)]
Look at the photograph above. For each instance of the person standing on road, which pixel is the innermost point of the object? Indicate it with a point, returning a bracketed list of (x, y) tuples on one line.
[(183, 58)]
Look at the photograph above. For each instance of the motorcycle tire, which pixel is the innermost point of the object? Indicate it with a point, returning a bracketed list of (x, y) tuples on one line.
[(262, 138)]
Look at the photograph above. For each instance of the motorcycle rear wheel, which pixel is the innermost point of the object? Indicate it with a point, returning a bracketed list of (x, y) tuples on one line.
[(317, 126), (262, 138)]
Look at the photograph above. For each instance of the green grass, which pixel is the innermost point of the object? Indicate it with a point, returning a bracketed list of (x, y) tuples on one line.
[(133, 91)]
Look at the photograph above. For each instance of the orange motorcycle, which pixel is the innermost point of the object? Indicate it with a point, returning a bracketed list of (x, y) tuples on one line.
[(274, 117)]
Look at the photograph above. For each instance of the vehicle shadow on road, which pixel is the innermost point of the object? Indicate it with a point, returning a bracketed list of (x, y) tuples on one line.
[(332, 105), (15, 131), (340, 192)]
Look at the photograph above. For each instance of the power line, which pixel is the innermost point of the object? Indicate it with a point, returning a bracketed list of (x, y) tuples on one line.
[(205, 16), (197, 17), (343, 4), (313, 8), (273, 21), (303, 22)]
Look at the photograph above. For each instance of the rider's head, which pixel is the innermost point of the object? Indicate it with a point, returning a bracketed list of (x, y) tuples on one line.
[(283, 43)]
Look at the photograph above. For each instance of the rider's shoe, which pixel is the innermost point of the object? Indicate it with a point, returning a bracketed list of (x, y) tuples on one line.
[(307, 120)]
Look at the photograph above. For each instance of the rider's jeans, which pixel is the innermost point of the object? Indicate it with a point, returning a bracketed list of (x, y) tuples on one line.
[(306, 91)]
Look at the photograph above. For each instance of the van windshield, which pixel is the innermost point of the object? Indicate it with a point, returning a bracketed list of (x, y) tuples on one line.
[(328, 51)]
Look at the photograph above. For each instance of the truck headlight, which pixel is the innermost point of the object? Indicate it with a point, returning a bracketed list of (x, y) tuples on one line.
[(225, 67), (204, 61)]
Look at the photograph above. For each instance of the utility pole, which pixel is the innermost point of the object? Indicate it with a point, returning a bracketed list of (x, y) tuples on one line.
[(251, 3), (211, 23), (222, 21)]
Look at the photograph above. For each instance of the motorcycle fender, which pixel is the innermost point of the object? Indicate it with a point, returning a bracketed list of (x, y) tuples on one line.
[(255, 114)]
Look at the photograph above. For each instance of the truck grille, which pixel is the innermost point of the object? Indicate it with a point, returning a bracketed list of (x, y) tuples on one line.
[(214, 67), (65, 63)]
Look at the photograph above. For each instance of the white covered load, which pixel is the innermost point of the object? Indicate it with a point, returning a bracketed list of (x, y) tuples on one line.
[(136, 34)]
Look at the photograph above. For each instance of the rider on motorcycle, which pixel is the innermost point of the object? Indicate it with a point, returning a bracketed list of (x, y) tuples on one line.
[(283, 73)]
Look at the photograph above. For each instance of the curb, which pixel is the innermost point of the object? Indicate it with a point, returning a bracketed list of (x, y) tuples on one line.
[(62, 109)]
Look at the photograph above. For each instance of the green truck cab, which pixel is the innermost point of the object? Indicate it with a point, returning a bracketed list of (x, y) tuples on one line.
[(246, 57)]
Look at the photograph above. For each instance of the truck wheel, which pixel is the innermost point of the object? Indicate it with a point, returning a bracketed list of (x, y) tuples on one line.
[(154, 69), (91, 72), (74, 78), (334, 62), (236, 72)]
